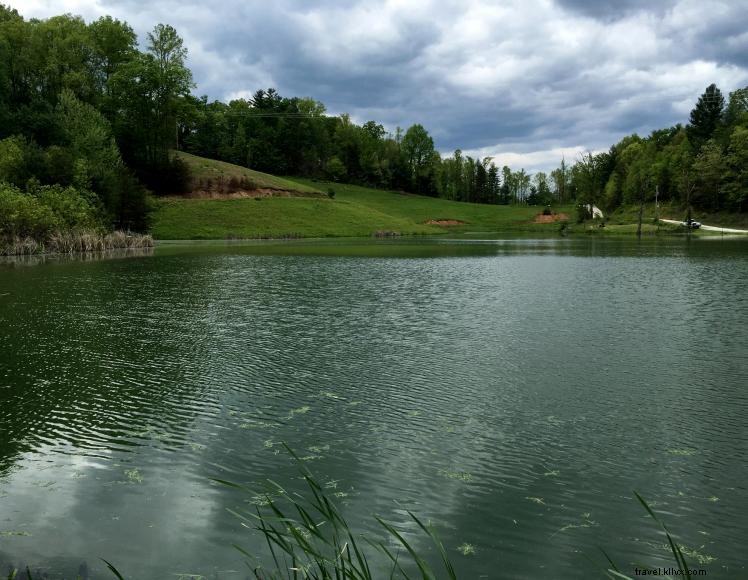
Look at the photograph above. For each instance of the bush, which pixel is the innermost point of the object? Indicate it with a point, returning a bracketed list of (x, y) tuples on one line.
[(24, 215), (330, 193), (44, 211), (71, 208), (335, 169)]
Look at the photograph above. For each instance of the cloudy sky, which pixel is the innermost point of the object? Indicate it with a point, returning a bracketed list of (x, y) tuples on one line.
[(524, 81)]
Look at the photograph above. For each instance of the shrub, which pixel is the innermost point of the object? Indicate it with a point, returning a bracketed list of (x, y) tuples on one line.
[(45, 210), (23, 215), (11, 159), (71, 208)]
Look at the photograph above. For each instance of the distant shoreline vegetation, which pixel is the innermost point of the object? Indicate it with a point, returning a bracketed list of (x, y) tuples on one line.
[(90, 119), (75, 242), (53, 219)]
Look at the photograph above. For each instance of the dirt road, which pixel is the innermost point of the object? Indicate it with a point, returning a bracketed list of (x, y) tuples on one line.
[(710, 228)]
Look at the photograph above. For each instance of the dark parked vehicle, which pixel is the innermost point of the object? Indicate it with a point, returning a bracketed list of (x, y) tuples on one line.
[(692, 224)]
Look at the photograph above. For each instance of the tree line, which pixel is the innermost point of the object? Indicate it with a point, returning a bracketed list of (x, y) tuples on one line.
[(83, 109), (703, 164), (86, 114)]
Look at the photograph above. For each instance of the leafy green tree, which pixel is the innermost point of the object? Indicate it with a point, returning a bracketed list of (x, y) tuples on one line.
[(588, 177), (736, 176), (710, 168), (736, 112), (418, 149), (114, 43), (88, 136), (173, 80), (13, 168), (335, 169)]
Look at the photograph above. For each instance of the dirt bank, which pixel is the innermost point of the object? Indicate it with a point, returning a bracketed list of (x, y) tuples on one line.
[(549, 219)]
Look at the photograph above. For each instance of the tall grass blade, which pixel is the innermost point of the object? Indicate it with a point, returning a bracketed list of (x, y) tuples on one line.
[(112, 569), (422, 566), (674, 548), (439, 546)]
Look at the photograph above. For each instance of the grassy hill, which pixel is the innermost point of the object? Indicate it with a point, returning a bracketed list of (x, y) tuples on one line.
[(204, 170), (353, 212)]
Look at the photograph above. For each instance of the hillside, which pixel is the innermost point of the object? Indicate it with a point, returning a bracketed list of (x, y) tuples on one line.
[(307, 212), (220, 178)]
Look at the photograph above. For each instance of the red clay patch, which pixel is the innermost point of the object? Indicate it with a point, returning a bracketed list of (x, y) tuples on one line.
[(549, 219), (445, 222)]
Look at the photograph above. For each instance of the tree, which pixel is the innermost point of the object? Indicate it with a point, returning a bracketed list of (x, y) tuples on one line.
[(173, 80), (418, 148), (149, 91), (706, 115), (710, 168), (89, 138), (587, 175), (114, 43), (560, 179), (736, 176), (737, 108)]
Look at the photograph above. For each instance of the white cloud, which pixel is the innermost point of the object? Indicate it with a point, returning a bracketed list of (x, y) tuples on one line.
[(532, 161), (479, 75)]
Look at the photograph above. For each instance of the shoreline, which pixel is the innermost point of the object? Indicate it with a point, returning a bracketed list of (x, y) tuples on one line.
[(80, 243), (75, 242)]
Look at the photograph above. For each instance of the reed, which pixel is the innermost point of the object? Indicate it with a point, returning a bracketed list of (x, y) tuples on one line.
[(16, 246), (309, 538), (612, 571), (75, 241)]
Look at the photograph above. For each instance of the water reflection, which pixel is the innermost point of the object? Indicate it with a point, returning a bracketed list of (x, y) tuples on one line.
[(37, 259), (514, 392)]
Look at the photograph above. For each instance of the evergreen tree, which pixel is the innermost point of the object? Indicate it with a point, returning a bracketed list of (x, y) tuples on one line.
[(707, 114)]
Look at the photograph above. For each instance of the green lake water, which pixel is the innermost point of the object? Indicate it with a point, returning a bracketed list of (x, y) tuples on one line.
[(515, 393)]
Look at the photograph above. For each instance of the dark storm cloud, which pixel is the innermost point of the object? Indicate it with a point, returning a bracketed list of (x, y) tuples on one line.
[(524, 80), (608, 9)]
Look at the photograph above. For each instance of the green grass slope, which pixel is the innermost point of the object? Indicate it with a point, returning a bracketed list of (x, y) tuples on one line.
[(355, 211), (203, 169)]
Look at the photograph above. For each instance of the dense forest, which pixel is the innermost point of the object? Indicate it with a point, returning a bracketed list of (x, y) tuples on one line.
[(88, 120)]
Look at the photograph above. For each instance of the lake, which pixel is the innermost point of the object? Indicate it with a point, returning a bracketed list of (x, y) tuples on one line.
[(513, 392)]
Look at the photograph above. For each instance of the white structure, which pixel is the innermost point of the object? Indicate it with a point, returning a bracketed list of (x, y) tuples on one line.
[(596, 212)]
